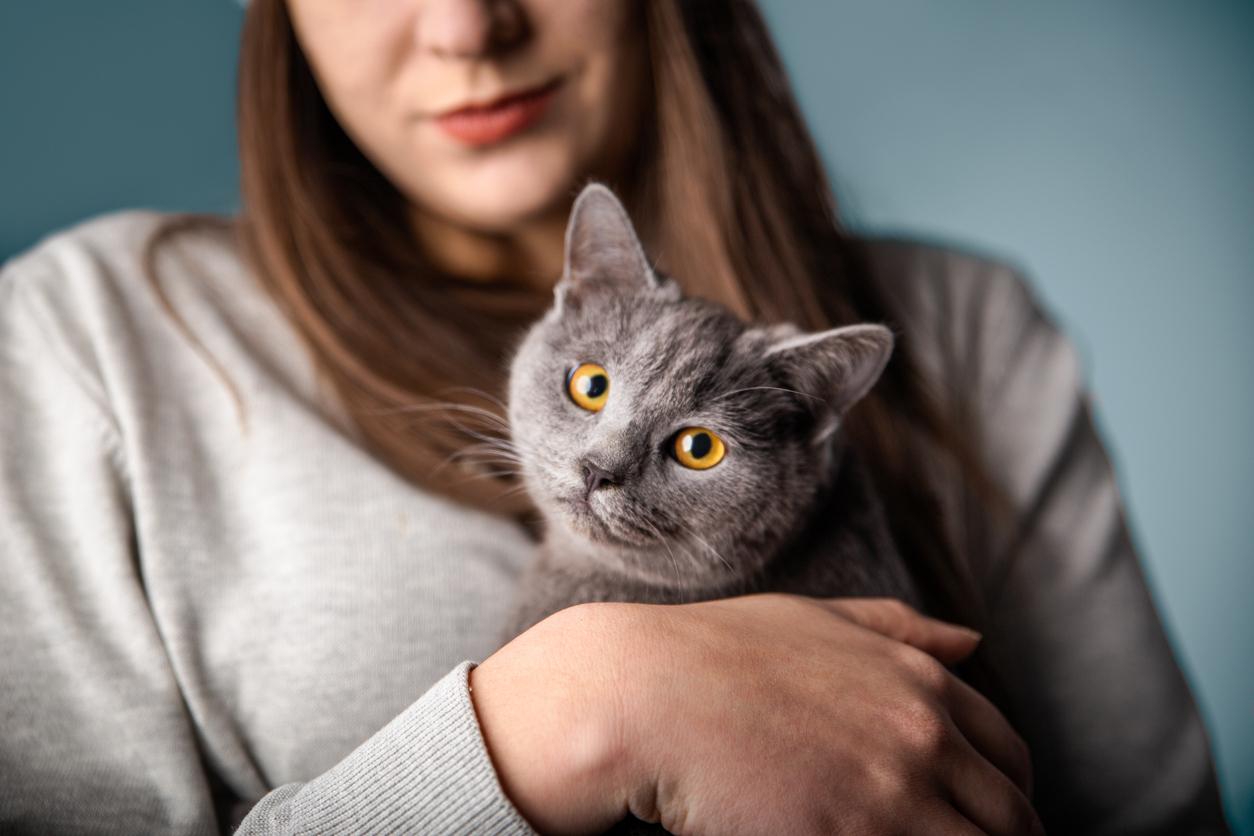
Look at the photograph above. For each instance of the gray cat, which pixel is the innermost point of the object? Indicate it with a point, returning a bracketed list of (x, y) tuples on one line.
[(677, 454)]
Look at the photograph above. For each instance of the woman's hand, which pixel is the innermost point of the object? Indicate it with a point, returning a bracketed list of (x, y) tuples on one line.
[(763, 713)]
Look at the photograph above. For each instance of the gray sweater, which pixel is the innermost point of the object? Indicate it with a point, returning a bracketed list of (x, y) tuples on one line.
[(203, 610)]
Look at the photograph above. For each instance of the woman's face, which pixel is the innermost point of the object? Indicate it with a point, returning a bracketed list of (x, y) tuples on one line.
[(393, 72)]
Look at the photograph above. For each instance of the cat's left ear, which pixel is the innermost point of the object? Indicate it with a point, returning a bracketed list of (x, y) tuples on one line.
[(832, 369), (603, 252)]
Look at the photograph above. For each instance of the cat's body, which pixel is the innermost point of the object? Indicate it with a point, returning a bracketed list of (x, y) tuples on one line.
[(787, 508), (678, 454)]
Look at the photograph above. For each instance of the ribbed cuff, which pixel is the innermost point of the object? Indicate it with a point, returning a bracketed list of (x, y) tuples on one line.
[(427, 771)]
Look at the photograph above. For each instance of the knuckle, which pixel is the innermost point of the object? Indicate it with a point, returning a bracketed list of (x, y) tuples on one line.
[(933, 675), (894, 784), (924, 668), (885, 781), (924, 727), (898, 608)]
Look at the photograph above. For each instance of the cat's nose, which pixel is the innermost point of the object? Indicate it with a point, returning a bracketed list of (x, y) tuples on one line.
[(595, 476)]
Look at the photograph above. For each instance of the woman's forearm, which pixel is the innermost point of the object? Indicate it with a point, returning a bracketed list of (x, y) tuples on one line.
[(551, 707), (760, 713)]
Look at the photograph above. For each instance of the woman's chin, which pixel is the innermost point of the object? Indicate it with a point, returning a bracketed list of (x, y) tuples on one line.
[(499, 196)]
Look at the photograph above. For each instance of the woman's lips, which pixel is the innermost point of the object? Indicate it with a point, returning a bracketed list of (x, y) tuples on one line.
[(484, 125)]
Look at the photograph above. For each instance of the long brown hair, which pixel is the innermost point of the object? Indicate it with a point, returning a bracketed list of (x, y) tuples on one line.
[(735, 203)]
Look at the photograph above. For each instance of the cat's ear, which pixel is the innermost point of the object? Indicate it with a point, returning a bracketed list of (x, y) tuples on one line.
[(603, 253), (832, 369)]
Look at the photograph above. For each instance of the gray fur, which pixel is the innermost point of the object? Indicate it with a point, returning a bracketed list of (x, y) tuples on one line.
[(788, 508)]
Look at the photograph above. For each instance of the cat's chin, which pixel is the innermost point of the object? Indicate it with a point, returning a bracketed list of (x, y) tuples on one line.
[(579, 518), (583, 521)]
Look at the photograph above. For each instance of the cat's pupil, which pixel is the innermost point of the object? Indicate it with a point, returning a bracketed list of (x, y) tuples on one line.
[(595, 385), (700, 445)]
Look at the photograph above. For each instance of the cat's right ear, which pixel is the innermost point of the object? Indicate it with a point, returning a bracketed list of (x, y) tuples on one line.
[(603, 252)]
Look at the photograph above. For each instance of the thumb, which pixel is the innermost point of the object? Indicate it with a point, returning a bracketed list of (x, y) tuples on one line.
[(948, 643)]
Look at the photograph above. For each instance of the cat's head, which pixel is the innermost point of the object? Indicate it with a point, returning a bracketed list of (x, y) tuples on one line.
[(651, 424)]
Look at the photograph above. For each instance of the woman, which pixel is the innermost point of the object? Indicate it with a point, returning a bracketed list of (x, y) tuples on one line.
[(242, 561)]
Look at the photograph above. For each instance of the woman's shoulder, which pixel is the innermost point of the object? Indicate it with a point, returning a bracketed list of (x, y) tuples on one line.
[(131, 303), (115, 249), (93, 291), (976, 322), (105, 266), (948, 288)]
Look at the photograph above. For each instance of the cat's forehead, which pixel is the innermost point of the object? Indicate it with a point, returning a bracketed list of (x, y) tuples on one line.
[(652, 337)]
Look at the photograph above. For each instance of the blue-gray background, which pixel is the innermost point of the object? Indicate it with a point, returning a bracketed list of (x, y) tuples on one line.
[(1105, 147)]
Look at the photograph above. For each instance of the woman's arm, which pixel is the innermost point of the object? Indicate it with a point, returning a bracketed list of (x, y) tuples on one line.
[(427, 771), (1117, 742), (94, 732), (757, 714)]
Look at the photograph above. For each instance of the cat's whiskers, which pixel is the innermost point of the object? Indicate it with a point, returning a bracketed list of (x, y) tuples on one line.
[(667, 540), (504, 451), (488, 415), (492, 449), (516, 489), (492, 399), (495, 433), (674, 563), (480, 462), (484, 453), (691, 533), (491, 474), (483, 437), (765, 388), (496, 458)]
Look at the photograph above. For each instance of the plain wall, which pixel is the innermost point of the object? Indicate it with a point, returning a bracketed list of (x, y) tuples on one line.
[(1106, 148)]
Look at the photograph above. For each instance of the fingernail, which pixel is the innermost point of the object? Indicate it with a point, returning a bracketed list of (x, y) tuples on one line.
[(975, 634)]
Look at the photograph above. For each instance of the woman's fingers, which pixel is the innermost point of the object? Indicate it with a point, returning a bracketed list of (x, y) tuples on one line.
[(989, 732), (992, 783), (948, 643), (942, 820), (983, 794)]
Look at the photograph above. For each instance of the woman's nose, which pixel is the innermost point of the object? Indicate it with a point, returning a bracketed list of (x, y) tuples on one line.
[(455, 29)]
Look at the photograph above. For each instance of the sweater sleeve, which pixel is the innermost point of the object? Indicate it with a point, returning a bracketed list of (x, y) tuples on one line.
[(96, 735), (1117, 741), (427, 771)]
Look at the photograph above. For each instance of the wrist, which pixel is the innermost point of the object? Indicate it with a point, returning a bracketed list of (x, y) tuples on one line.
[(553, 708)]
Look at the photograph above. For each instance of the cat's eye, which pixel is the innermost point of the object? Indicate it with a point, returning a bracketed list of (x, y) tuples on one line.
[(588, 386), (698, 448)]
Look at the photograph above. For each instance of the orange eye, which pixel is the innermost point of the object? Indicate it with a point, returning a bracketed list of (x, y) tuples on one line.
[(698, 448), (589, 386)]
